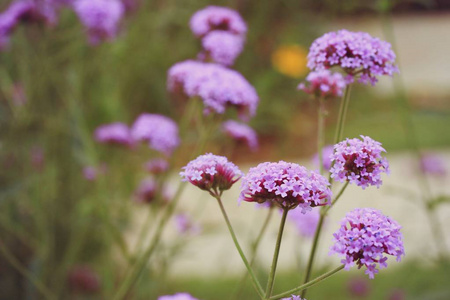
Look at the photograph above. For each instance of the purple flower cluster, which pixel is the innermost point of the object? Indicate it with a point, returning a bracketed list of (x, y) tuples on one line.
[(100, 17), (306, 223), (241, 132), (177, 296), (157, 166), (159, 131), (359, 54), (146, 191), (221, 47), (114, 133), (214, 18), (323, 83), (433, 165), (359, 162), (286, 184), (327, 152), (211, 172), (365, 236), (293, 297), (217, 86)]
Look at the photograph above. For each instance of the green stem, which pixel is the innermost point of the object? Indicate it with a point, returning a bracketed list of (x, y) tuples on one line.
[(271, 280), (255, 281), (308, 284), (25, 272), (320, 132), (326, 209)]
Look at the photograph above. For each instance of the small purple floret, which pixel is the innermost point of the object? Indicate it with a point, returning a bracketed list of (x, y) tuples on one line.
[(222, 47), (365, 237), (359, 162), (241, 132), (323, 84), (287, 185)]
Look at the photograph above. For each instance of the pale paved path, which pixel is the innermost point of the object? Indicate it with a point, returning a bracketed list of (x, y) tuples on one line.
[(213, 253)]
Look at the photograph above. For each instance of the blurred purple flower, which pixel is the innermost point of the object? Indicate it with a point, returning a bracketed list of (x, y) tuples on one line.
[(114, 133), (216, 85), (397, 294), (185, 225), (433, 165), (324, 84), (100, 17), (37, 158), (217, 18), (159, 131), (359, 162), (157, 166), (221, 47), (210, 172), (327, 152), (357, 53), (241, 132), (306, 223), (365, 236), (286, 184), (83, 279), (146, 191), (178, 296), (91, 173), (358, 287)]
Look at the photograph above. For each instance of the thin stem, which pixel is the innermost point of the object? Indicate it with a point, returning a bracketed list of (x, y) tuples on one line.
[(308, 284), (320, 132), (271, 280), (25, 272), (326, 209), (255, 281)]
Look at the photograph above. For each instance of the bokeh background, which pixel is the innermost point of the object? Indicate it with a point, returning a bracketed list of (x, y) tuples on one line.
[(56, 88)]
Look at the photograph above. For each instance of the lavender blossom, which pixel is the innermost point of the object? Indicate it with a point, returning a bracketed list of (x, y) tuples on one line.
[(114, 133), (157, 166), (222, 47), (178, 296), (286, 184), (306, 223), (159, 131), (323, 84), (327, 152), (365, 237), (433, 165), (211, 172), (100, 17), (293, 297), (185, 225), (357, 53), (146, 191), (217, 86), (359, 162), (217, 18), (241, 132)]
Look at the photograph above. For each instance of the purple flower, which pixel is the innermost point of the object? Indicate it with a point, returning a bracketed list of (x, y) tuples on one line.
[(359, 162), (293, 297), (324, 84), (178, 296), (433, 165), (83, 279), (146, 191), (221, 47), (365, 236), (114, 133), (217, 18), (159, 131), (210, 172), (358, 287), (241, 132), (185, 225), (286, 184), (357, 53), (306, 223), (91, 173), (157, 166), (216, 85), (327, 152), (100, 17)]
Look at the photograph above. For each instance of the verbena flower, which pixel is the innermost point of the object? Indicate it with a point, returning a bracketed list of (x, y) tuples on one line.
[(100, 17), (114, 133), (216, 85), (286, 184), (159, 131), (324, 84), (217, 18), (306, 223), (185, 225), (221, 47), (327, 152), (433, 165), (211, 172), (359, 162), (157, 166), (241, 132), (358, 287), (293, 297), (358, 53), (146, 191), (365, 237)]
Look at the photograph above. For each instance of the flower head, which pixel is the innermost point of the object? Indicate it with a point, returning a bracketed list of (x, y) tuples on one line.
[(357, 53), (241, 132), (359, 162), (306, 223), (365, 237), (146, 191), (114, 133), (217, 18), (178, 296), (216, 85), (157, 166), (100, 17), (286, 184), (185, 225), (324, 84), (433, 165), (327, 152), (159, 131), (222, 47), (211, 172)]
